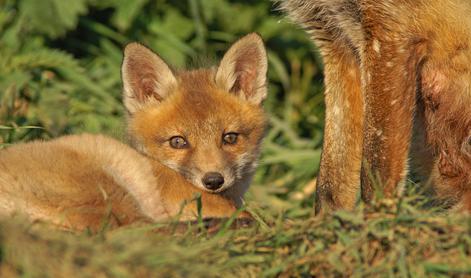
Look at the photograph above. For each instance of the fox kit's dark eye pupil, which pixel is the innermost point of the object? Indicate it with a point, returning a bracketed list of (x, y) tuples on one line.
[(178, 142), (230, 138)]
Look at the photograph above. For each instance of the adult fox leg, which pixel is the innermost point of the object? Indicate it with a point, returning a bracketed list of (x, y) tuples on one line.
[(390, 62), (339, 175)]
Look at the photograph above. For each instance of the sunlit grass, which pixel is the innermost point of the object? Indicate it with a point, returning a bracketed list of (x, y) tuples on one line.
[(388, 238)]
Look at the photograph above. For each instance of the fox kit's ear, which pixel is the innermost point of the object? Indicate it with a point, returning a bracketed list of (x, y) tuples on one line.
[(243, 69), (146, 77)]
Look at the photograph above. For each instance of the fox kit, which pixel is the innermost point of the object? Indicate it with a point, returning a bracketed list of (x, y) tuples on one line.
[(195, 131), (394, 70)]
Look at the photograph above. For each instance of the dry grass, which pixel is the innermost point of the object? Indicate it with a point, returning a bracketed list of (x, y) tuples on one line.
[(387, 238)]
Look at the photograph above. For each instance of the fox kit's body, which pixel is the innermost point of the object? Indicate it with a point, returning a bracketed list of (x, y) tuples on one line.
[(193, 132), (82, 181), (386, 64)]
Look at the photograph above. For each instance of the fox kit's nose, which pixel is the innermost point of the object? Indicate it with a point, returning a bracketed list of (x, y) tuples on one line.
[(213, 180)]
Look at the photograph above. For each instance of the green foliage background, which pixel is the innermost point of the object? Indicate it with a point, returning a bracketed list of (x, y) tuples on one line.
[(60, 71), (60, 74)]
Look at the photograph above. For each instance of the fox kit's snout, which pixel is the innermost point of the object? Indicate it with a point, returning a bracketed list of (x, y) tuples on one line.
[(207, 124)]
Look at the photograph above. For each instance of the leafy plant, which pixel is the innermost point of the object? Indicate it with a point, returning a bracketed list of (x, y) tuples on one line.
[(60, 71)]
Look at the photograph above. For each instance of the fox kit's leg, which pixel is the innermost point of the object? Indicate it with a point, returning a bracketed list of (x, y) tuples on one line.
[(339, 176), (175, 190)]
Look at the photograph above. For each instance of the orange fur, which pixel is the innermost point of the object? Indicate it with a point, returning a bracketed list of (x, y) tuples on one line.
[(413, 58), (200, 106), (78, 181)]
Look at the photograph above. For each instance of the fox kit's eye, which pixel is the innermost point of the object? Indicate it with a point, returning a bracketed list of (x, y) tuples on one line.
[(230, 138), (178, 142)]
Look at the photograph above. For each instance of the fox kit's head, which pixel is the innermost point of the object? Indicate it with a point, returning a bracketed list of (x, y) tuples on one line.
[(206, 124)]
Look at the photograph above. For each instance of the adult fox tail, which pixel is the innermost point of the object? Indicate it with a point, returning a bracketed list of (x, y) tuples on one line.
[(327, 21)]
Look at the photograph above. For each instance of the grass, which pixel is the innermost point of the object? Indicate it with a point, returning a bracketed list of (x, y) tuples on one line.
[(389, 238), (59, 74)]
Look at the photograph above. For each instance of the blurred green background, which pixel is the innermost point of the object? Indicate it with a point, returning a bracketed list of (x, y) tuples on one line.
[(60, 74)]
